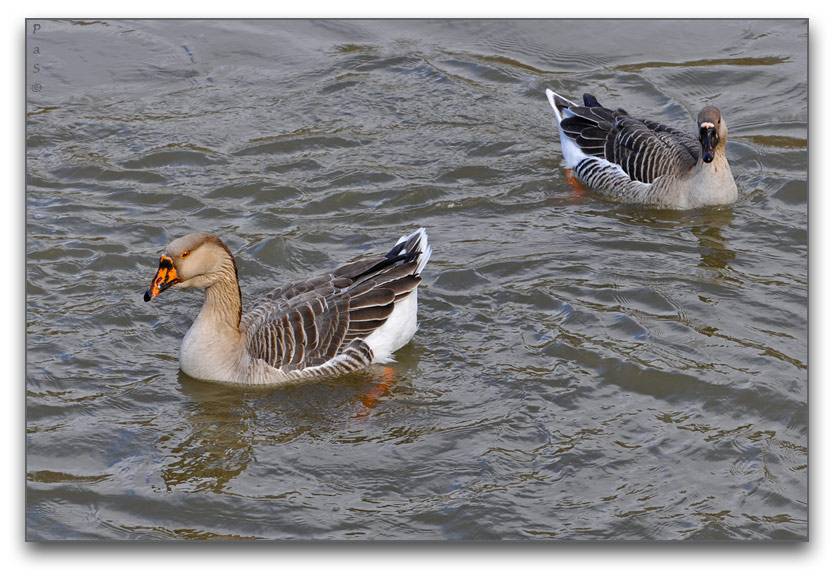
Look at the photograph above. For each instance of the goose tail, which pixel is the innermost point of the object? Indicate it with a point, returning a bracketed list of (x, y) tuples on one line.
[(414, 243), (571, 152), (559, 104)]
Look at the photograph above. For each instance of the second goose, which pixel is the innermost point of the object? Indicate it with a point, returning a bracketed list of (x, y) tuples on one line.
[(640, 161)]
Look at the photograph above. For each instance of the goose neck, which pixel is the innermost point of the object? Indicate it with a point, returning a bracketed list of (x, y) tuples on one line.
[(223, 302)]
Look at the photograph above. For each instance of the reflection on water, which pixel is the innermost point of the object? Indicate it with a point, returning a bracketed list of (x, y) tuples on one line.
[(715, 254), (582, 369), (225, 425), (214, 446)]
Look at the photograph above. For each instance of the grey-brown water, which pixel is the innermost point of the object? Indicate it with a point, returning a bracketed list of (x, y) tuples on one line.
[(583, 370)]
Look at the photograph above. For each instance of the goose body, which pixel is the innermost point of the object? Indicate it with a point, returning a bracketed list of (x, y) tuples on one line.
[(330, 324), (640, 161)]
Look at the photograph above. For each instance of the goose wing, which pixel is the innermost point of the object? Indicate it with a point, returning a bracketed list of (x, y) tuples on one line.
[(309, 323), (644, 150)]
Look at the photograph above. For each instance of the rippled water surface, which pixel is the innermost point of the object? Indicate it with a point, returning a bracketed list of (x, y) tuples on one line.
[(583, 370)]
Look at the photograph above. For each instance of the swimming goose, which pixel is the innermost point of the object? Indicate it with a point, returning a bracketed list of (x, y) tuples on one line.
[(327, 325), (640, 161)]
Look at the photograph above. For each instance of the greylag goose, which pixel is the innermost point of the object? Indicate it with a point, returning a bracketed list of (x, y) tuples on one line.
[(639, 161), (333, 323)]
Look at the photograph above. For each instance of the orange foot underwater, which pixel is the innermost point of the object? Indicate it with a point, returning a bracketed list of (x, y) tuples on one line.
[(369, 399), (574, 183), (577, 190)]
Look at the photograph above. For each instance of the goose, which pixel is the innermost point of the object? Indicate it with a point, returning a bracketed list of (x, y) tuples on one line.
[(640, 161), (327, 325)]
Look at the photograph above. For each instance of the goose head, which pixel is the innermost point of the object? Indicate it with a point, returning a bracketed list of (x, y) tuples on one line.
[(712, 132), (196, 261)]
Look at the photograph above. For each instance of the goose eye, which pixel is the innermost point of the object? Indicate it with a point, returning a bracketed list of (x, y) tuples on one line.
[(185, 254)]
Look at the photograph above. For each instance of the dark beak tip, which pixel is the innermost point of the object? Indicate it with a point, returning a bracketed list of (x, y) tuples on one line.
[(147, 296), (707, 158)]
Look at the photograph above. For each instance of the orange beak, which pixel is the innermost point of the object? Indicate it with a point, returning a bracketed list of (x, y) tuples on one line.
[(166, 276)]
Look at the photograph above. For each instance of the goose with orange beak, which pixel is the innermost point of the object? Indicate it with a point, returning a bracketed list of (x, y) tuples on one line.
[(329, 324)]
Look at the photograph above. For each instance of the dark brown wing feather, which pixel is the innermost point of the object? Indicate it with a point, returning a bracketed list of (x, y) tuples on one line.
[(645, 150), (308, 323)]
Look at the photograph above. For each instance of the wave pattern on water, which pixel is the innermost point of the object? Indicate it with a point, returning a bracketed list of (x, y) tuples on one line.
[(582, 370)]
